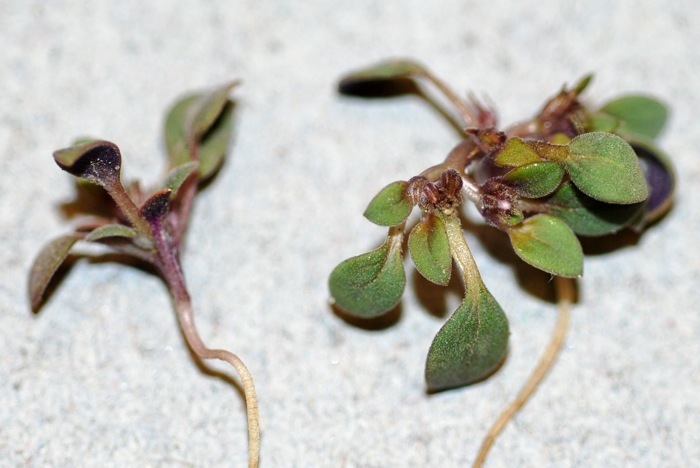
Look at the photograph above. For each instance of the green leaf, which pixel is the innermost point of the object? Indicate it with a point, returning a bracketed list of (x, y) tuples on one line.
[(177, 176), (535, 180), (207, 109), (372, 283), (110, 230), (391, 206), (46, 264), (602, 122), (547, 243), (587, 216), (639, 115), (386, 70), (471, 345), (199, 127), (215, 143), (430, 250), (176, 135), (516, 153), (98, 162), (605, 167)]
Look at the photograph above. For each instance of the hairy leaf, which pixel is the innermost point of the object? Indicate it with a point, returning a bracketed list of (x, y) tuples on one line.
[(587, 216), (372, 283), (605, 167), (391, 206), (535, 180), (549, 244), (638, 115), (98, 162), (471, 344), (516, 153), (45, 265), (430, 250)]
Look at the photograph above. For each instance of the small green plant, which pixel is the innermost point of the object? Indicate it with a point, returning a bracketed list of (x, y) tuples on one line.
[(151, 226), (571, 170)]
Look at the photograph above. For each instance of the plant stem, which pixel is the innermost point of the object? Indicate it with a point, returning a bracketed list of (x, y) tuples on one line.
[(172, 272), (461, 253), (565, 297), (127, 207), (470, 119)]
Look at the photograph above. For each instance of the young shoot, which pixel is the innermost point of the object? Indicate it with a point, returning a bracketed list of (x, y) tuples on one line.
[(151, 226), (572, 170)]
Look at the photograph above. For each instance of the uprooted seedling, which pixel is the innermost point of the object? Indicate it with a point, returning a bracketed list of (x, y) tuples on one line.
[(570, 171), (151, 226)]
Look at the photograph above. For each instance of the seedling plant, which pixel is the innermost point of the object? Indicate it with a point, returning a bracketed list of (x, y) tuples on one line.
[(150, 226), (572, 170)]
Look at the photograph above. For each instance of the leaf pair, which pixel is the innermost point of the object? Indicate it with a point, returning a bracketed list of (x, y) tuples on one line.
[(601, 165), (197, 129), (472, 342)]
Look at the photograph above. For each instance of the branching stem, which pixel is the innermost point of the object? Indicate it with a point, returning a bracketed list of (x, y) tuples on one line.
[(565, 297)]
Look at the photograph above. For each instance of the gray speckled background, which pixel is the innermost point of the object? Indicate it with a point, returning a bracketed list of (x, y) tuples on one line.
[(101, 376)]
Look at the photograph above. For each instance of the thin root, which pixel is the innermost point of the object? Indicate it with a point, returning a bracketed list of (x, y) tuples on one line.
[(565, 297)]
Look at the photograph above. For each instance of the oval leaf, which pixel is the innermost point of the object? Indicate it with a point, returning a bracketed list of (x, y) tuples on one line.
[(110, 230), (587, 216), (535, 180), (638, 115), (98, 162), (391, 206), (45, 265), (547, 243), (372, 283), (605, 167), (516, 153), (430, 250), (471, 344)]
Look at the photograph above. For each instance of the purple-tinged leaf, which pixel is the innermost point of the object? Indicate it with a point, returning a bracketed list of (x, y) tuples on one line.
[(45, 265), (98, 162), (156, 206)]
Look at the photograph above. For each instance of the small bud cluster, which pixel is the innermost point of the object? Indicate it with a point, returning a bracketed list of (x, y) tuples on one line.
[(443, 195)]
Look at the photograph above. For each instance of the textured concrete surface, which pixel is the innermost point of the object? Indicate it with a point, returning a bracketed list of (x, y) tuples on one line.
[(101, 376)]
